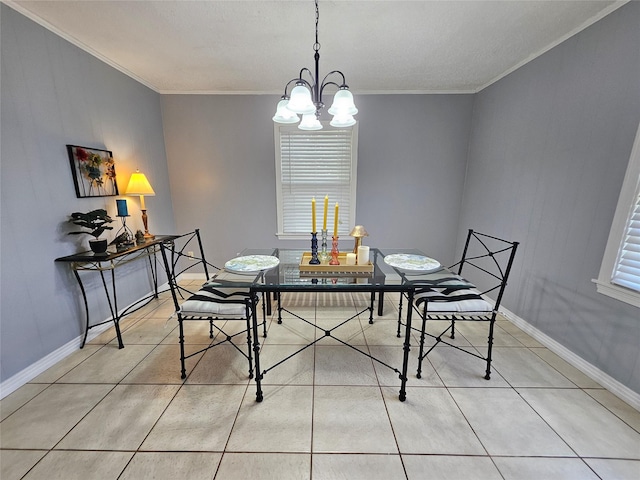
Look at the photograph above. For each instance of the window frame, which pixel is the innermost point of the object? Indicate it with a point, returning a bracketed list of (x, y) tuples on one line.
[(626, 205), (351, 214)]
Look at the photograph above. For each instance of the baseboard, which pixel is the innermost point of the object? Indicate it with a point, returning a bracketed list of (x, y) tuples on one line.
[(11, 384), (192, 276), (614, 386)]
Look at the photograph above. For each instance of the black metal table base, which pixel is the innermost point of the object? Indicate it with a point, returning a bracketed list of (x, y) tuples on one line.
[(88, 261), (112, 301), (402, 374)]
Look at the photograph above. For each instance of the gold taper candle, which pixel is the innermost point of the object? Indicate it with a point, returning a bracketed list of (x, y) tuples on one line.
[(326, 207), (313, 215), (335, 222)]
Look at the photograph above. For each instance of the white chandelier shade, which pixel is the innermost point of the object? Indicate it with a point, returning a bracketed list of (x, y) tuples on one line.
[(306, 97), (310, 122), (343, 103), (341, 121), (284, 115), (300, 101)]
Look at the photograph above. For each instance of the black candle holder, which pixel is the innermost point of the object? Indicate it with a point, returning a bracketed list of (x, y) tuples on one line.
[(124, 236), (314, 249)]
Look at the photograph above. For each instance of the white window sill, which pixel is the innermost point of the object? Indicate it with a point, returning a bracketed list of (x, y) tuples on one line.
[(291, 236), (619, 293)]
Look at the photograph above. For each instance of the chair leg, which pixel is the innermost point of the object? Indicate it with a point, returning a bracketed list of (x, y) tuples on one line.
[(422, 335), (183, 370), (453, 327), (264, 318), (400, 315), (487, 375), (249, 313), (210, 328)]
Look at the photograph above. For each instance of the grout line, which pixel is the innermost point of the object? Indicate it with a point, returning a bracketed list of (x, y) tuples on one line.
[(378, 383)]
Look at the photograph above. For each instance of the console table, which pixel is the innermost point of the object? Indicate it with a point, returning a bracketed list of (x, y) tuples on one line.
[(109, 261)]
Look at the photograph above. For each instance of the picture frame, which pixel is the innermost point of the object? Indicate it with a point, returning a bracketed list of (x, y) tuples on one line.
[(94, 172)]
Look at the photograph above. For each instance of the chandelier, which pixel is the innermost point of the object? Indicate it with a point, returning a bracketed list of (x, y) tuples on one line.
[(306, 97)]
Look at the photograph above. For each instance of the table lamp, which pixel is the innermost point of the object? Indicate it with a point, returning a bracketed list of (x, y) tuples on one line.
[(358, 232), (139, 185)]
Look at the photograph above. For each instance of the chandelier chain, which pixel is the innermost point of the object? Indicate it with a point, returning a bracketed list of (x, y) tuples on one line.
[(316, 46), (306, 96)]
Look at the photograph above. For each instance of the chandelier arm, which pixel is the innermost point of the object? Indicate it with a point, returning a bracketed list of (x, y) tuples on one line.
[(344, 80), (286, 87), (309, 84), (326, 84)]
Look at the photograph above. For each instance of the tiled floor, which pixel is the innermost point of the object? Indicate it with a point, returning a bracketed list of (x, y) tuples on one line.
[(328, 413)]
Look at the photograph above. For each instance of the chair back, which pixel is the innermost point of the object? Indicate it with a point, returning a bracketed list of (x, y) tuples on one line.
[(486, 262), (184, 255)]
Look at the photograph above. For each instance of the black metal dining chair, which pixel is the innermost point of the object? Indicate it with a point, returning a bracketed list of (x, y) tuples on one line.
[(212, 301), (486, 263)]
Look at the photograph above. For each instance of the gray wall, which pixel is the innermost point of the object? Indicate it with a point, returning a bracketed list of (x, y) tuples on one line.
[(220, 151), (53, 94), (548, 146), (548, 151)]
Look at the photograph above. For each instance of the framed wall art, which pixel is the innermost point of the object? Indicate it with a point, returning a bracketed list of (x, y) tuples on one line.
[(94, 172)]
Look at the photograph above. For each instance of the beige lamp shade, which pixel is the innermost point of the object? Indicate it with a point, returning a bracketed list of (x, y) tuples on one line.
[(358, 232), (139, 185)]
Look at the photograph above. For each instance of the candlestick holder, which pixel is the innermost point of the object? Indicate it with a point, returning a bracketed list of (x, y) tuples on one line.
[(314, 249), (124, 236), (334, 252), (324, 255)]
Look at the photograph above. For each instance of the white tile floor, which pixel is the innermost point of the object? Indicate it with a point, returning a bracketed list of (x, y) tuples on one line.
[(328, 413)]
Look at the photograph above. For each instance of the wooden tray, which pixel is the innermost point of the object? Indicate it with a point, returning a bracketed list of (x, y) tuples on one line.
[(325, 268)]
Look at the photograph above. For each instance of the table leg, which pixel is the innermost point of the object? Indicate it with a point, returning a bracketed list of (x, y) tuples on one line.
[(268, 302), (279, 299), (86, 307), (373, 299), (380, 304), (154, 273), (116, 319), (113, 307), (407, 343), (264, 316)]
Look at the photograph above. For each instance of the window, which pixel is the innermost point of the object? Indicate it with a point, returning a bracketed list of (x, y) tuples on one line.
[(314, 164), (620, 270)]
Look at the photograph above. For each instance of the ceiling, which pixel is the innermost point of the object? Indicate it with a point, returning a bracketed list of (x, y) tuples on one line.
[(243, 46)]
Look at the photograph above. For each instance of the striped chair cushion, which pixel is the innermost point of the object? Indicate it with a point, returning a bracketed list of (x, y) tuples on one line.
[(212, 302), (452, 300)]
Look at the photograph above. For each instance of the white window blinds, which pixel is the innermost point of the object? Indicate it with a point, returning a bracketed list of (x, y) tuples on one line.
[(315, 164), (627, 269), (619, 275)]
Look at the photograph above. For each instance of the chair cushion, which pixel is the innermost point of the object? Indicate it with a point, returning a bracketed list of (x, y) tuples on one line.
[(452, 300), (211, 302)]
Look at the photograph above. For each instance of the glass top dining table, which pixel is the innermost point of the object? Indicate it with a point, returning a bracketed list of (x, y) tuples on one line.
[(382, 277), (288, 276)]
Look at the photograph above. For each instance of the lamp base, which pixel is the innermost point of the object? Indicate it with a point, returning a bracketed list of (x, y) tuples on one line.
[(357, 244), (145, 220)]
